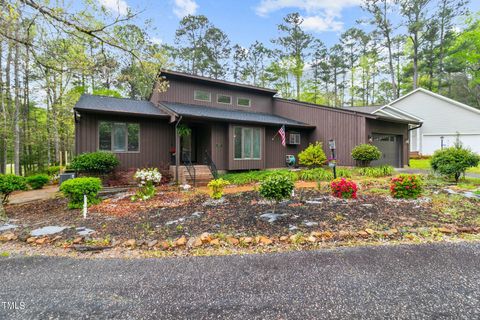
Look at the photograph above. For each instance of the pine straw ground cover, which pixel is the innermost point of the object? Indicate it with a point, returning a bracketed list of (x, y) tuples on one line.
[(190, 223)]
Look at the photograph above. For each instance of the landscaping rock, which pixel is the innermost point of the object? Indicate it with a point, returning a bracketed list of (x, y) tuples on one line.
[(205, 237), (45, 231), (194, 242), (363, 234), (8, 236), (214, 202), (342, 234), (7, 226), (233, 241), (41, 240), (312, 239), (264, 240), (283, 238), (165, 245), (215, 242), (181, 241), (56, 238), (246, 240), (370, 231), (310, 223), (31, 240), (168, 223), (271, 216), (196, 214), (152, 243), (292, 227), (130, 243), (78, 240), (446, 230), (83, 231)]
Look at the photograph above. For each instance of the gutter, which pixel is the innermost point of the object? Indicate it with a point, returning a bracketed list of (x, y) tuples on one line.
[(177, 149)]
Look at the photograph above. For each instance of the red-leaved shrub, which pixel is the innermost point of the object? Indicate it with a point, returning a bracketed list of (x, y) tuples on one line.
[(406, 186), (344, 188)]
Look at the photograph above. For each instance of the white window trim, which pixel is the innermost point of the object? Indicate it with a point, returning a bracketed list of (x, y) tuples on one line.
[(126, 136), (242, 128), (209, 95), (224, 95), (241, 105)]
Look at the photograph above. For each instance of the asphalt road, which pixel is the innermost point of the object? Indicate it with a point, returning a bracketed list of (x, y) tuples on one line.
[(439, 281)]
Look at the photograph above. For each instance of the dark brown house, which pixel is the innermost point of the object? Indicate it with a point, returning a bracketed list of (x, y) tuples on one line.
[(233, 126)]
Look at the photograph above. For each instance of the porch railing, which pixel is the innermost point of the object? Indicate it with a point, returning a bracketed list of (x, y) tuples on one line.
[(211, 165), (187, 162)]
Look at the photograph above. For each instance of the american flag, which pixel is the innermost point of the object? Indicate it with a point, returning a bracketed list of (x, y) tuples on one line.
[(281, 132)]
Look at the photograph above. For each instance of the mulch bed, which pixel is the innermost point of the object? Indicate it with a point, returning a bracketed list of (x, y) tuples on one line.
[(172, 214)]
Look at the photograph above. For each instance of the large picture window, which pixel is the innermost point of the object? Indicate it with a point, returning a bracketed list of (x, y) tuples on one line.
[(247, 144), (118, 136)]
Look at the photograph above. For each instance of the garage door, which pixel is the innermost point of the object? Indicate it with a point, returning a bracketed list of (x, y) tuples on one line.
[(390, 146)]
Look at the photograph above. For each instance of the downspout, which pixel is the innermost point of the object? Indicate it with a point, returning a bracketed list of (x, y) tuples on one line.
[(177, 149)]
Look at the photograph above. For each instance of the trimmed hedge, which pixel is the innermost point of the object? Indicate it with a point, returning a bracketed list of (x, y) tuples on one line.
[(38, 181), (365, 153), (95, 162), (454, 161), (10, 183), (312, 156), (74, 189), (277, 188)]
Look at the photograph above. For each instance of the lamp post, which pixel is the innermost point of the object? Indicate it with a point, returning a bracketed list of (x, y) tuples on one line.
[(332, 163), (441, 142)]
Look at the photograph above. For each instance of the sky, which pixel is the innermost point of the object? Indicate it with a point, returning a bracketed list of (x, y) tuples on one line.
[(245, 21)]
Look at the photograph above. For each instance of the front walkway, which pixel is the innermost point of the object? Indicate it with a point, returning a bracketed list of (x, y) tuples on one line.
[(21, 197)]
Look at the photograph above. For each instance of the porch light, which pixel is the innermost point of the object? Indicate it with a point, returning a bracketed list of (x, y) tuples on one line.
[(332, 163), (441, 142)]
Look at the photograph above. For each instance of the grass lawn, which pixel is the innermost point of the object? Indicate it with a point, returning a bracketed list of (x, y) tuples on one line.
[(425, 164)]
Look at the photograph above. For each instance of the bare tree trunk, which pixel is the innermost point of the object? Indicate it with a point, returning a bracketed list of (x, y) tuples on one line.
[(16, 114), (3, 130), (8, 94)]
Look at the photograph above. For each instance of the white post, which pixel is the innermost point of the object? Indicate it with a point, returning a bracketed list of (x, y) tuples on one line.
[(85, 206)]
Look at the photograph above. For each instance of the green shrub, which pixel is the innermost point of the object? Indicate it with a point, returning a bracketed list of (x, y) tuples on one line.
[(74, 189), (376, 172), (316, 174), (256, 176), (10, 183), (54, 170), (406, 186), (216, 186), (147, 179), (277, 188), (344, 173), (453, 161), (37, 181), (95, 162), (365, 153), (312, 156)]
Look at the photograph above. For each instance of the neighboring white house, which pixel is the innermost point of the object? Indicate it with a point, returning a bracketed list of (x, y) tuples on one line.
[(443, 120)]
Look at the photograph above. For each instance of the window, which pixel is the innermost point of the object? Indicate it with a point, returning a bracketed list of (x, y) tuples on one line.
[(118, 136), (247, 144), (294, 138), (244, 102), (224, 99), (202, 95)]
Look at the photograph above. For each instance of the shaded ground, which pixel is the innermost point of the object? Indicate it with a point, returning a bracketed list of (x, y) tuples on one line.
[(172, 214), (435, 281)]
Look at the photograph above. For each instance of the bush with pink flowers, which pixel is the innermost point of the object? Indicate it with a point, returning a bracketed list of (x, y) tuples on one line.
[(406, 186), (344, 188)]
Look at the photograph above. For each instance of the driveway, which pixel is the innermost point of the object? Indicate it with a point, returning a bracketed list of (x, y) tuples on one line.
[(440, 281)]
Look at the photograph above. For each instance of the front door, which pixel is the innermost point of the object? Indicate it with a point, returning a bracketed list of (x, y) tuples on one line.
[(188, 147)]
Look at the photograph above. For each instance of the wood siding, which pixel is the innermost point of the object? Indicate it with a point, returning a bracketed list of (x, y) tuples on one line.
[(348, 129), (182, 92), (384, 127), (274, 151), (156, 138)]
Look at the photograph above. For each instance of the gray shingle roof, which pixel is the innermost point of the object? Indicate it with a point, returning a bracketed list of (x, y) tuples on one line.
[(89, 102), (231, 115), (366, 109)]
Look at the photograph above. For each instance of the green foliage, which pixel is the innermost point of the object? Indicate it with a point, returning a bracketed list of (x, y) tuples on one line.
[(54, 170), (74, 189), (216, 186), (344, 173), (95, 162), (10, 183), (37, 181), (316, 174), (277, 188), (454, 161), (147, 179), (256, 176), (376, 172), (312, 156), (365, 153), (406, 186), (183, 130)]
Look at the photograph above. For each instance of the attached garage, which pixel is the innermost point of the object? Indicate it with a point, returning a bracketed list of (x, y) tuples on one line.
[(391, 147)]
